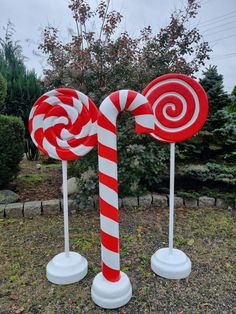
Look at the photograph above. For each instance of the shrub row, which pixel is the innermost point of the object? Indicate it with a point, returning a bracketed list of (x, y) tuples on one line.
[(11, 147)]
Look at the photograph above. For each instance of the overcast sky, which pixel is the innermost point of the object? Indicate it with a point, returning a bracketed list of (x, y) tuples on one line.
[(216, 20)]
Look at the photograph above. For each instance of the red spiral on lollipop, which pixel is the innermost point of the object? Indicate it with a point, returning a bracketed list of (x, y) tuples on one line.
[(180, 107), (62, 124)]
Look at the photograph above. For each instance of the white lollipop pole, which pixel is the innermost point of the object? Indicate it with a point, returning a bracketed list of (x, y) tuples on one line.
[(166, 93), (65, 207), (67, 267), (172, 193), (169, 262)]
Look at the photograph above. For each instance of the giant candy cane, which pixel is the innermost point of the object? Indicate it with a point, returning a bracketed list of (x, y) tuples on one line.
[(112, 288), (180, 107)]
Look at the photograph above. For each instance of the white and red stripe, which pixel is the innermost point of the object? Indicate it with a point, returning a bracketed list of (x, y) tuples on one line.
[(180, 107), (63, 124), (107, 162)]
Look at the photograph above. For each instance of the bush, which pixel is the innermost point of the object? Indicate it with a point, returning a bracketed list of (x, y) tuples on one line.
[(142, 161), (190, 195), (216, 180), (11, 147), (212, 172)]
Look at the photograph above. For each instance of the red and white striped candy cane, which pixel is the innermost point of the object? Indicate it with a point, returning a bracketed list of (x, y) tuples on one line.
[(107, 162), (62, 124)]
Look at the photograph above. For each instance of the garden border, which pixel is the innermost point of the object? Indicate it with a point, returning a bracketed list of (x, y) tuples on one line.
[(55, 206)]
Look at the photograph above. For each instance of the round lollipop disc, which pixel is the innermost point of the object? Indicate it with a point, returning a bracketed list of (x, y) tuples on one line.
[(180, 107), (63, 124)]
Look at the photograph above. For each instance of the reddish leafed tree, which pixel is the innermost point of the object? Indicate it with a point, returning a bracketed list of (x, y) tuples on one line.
[(98, 62)]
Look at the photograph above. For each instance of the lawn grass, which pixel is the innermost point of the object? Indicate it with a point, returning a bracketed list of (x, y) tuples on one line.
[(207, 236), (31, 179)]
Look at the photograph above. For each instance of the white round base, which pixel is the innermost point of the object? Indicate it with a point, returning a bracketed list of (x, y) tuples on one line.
[(171, 266), (111, 295), (64, 270)]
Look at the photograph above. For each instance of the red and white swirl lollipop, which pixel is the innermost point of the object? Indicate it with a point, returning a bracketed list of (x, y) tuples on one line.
[(180, 107), (62, 124)]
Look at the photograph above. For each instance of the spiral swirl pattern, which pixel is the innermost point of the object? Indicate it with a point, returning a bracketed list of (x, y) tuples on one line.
[(63, 124), (180, 107)]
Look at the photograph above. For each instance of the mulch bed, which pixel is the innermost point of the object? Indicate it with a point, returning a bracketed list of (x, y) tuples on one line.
[(207, 236), (38, 184)]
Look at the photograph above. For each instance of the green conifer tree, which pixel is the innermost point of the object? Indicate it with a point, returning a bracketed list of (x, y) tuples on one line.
[(23, 85), (232, 107), (214, 141), (3, 91)]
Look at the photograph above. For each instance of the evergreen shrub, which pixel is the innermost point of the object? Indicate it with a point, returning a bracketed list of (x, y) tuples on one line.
[(142, 162), (11, 148)]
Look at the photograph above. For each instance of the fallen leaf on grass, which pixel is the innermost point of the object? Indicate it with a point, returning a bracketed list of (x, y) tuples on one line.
[(204, 304), (11, 220), (190, 242), (14, 297), (19, 310)]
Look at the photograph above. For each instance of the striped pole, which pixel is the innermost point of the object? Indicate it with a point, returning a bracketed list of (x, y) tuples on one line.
[(107, 161)]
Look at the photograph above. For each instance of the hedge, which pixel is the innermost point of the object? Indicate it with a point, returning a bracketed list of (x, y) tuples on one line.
[(11, 148)]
